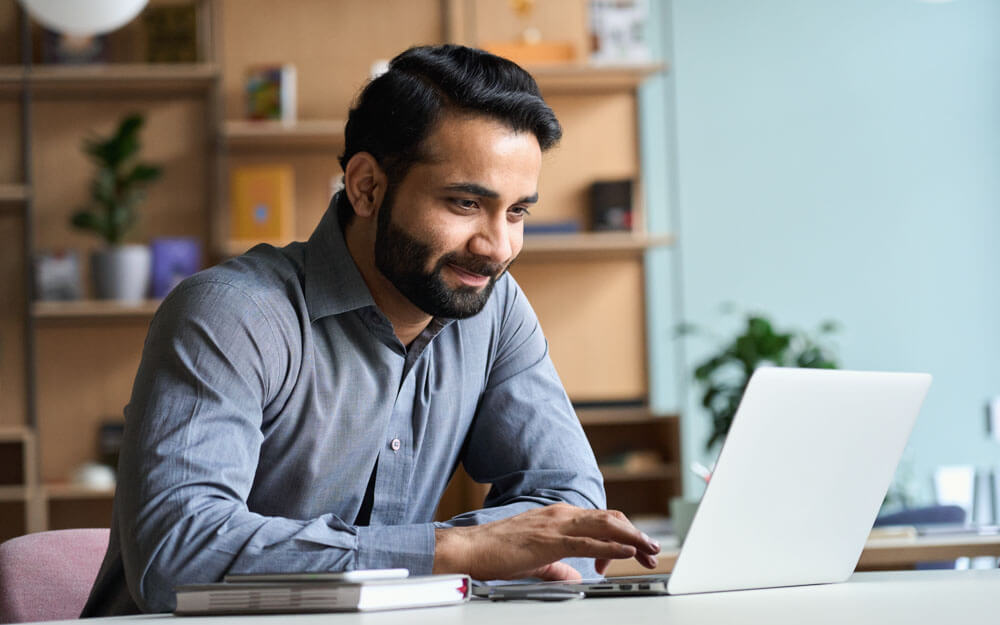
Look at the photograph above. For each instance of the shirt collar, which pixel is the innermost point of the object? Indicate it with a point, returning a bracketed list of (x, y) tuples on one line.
[(333, 283)]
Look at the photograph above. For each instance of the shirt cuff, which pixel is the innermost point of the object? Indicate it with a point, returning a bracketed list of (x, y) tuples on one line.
[(397, 546)]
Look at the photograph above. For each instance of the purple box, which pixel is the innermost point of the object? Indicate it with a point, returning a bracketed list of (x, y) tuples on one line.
[(173, 260)]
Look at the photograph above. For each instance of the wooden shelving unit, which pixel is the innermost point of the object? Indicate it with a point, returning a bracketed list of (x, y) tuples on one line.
[(93, 309), (79, 356), (87, 350)]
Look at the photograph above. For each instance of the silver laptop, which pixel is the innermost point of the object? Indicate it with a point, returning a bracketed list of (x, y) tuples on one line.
[(798, 483)]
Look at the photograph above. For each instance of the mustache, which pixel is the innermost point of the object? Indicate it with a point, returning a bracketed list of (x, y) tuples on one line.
[(474, 264)]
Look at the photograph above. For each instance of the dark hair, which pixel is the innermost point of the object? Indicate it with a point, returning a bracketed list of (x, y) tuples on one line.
[(396, 111)]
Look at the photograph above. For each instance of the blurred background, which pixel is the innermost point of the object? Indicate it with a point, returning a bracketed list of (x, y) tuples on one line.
[(789, 182)]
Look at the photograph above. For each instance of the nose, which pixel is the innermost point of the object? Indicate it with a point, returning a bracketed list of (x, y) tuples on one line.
[(493, 240)]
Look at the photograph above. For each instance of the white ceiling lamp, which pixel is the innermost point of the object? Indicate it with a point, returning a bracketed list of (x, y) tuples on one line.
[(83, 18)]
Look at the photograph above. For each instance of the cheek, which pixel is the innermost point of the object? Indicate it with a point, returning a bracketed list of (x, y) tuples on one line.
[(516, 239)]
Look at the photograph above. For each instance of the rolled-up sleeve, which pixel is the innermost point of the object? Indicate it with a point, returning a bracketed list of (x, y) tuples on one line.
[(211, 364)]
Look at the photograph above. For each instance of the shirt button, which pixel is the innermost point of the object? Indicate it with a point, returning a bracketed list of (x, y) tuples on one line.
[(395, 444)]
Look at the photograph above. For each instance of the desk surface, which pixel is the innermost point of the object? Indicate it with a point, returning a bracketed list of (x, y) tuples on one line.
[(879, 553), (889, 598)]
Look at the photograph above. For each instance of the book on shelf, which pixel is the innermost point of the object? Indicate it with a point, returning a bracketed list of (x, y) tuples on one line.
[(262, 203), (566, 226), (171, 33), (321, 596), (271, 92)]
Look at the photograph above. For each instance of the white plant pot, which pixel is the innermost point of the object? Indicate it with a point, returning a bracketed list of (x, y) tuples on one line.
[(121, 272)]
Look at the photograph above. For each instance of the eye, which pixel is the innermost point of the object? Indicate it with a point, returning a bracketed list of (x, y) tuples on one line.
[(517, 213), (465, 203)]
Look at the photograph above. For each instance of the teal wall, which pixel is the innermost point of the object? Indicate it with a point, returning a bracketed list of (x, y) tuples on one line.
[(833, 159)]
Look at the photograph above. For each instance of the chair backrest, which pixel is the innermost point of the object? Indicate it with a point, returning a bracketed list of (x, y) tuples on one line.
[(47, 576)]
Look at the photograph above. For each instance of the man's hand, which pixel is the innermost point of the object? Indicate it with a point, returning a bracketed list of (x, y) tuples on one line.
[(532, 543)]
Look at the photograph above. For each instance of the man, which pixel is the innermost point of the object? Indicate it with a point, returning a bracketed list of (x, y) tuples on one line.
[(302, 409)]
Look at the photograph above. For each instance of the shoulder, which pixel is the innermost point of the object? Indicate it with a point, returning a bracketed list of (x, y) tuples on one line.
[(260, 288)]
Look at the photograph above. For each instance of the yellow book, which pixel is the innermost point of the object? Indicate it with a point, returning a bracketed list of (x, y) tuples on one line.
[(262, 203)]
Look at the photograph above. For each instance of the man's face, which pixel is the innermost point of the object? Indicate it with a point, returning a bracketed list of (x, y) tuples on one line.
[(454, 224)]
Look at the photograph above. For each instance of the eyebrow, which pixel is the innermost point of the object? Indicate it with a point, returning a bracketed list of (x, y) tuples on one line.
[(478, 189)]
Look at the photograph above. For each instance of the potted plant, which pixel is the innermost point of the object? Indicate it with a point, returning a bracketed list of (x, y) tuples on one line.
[(120, 271), (723, 376)]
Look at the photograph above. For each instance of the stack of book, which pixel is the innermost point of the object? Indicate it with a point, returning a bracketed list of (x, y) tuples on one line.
[(353, 591)]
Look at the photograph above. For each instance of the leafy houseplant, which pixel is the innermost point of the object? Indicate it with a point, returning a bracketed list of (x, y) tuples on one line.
[(723, 377), (119, 186)]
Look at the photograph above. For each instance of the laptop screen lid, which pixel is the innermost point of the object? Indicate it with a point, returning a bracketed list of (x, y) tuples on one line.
[(800, 478)]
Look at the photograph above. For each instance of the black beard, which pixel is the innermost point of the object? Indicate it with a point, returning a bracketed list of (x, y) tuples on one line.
[(401, 258)]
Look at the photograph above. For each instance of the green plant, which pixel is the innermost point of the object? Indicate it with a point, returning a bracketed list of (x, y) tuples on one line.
[(723, 377), (119, 184)]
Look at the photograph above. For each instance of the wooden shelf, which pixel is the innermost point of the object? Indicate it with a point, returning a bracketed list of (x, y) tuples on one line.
[(11, 79), (277, 134), (15, 493), (126, 77), (619, 474), (619, 416), (74, 491), (597, 244), (13, 194), (93, 309), (581, 78), (15, 433)]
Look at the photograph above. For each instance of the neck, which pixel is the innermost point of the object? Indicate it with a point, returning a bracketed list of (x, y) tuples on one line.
[(407, 320)]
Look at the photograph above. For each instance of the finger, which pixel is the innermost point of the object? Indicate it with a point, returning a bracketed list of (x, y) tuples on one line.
[(646, 560), (601, 565), (557, 572), (654, 546), (585, 547), (612, 525)]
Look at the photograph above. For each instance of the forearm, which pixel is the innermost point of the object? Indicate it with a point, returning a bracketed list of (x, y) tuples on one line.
[(222, 538)]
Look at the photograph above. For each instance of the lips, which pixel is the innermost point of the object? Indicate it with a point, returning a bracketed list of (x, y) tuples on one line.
[(469, 278)]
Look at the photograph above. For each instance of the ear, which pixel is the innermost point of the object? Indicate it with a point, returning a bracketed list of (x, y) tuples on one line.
[(364, 183)]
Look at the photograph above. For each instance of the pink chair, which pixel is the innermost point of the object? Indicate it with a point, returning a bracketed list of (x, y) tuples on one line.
[(47, 576)]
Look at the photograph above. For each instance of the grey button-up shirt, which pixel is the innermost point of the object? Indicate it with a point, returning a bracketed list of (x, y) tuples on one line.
[(269, 388)]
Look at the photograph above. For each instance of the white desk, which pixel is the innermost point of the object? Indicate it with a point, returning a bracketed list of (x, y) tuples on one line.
[(898, 597)]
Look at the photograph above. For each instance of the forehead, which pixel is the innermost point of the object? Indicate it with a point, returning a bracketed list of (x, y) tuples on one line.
[(473, 148)]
